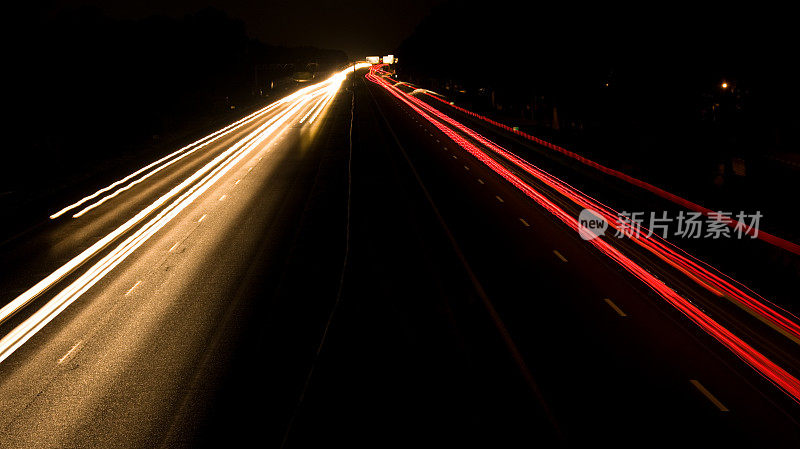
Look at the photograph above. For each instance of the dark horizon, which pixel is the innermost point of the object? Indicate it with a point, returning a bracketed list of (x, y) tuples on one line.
[(358, 27)]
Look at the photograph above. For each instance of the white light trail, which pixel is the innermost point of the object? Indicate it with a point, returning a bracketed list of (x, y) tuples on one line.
[(196, 184), (166, 160), (171, 158), (212, 171)]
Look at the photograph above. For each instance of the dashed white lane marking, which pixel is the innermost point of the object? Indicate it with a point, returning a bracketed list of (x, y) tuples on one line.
[(202, 218), (614, 306), (466, 168), (522, 220), (455, 157), (237, 182), (481, 181), (223, 197), (709, 396), (173, 247), (499, 199), (437, 140), (133, 288), (71, 350), (249, 169), (558, 254)]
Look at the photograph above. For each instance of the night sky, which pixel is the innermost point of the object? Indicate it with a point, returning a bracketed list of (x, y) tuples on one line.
[(359, 27)]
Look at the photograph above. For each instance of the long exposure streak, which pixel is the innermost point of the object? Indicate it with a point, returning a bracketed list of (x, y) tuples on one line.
[(763, 365), (763, 235), (167, 207)]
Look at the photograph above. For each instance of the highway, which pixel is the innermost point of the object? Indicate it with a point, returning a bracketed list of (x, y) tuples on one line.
[(115, 317), (356, 265), (612, 352)]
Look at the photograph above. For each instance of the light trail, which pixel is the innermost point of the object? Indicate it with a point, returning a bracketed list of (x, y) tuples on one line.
[(311, 110), (166, 159), (54, 277), (759, 362), (171, 158), (697, 270), (425, 91), (324, 104), (762, 235), (183, 194), (333, 89), (26, 330)]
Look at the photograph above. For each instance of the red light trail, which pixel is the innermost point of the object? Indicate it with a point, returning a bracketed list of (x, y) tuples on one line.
[(699, 271), (676, 257), (765, 236)]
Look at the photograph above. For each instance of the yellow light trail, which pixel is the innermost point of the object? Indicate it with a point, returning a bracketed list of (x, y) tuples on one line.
[(166, 159), (311, 110), (171, 158), (196, 184), (23, 299)]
